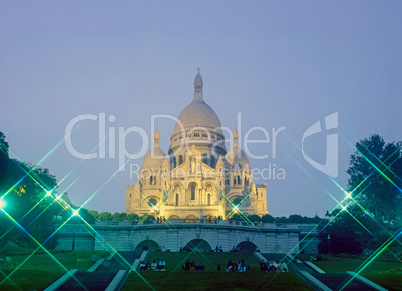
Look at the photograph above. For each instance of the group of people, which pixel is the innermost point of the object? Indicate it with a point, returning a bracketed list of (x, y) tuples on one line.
[(191, 266), (236, 249), (218, 249), (273, 266), (160, 219), (319, 258), (162, 249), (184, 249), (234, 266), (156, 265)]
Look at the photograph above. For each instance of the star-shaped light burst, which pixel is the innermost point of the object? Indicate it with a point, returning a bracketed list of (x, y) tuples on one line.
[(236, 209), (344, 207), (48, 193), (2, 203), (75, 212), (348, 195)]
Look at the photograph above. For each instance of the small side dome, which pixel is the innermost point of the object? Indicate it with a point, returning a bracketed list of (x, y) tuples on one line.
[(220, 164), (155, 156), (236, 156)]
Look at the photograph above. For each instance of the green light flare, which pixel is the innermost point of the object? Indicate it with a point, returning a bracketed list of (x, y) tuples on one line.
[(3, 203), (16, 286), (382, 248), (39, 247), (110, 178), (110, 247), (375, 167)]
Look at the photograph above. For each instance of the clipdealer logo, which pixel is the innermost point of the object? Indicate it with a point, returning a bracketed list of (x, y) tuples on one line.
[(110, 134)]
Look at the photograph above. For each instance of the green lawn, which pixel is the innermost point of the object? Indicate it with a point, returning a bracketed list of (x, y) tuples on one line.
[(209, 260), (341, 265), (40, 270), (386, 274), (388, 281), (174, 278), (180, 280)]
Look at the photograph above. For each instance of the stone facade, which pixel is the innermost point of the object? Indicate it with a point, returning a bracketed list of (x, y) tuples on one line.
[(126, 236), (199, 177)]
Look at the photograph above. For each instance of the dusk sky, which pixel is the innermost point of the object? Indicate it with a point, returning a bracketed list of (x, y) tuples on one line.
[(277, 63)]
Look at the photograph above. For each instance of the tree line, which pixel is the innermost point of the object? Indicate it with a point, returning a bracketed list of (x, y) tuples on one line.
[(370, 218), (122, 216), (367, 219)]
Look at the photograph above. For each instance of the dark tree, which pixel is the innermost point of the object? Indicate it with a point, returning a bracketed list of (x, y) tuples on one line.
[(132, 217), (4, 161), (254, 218), (267, 218), (119, 216), (105, 216), (282, 219), (375, 177)]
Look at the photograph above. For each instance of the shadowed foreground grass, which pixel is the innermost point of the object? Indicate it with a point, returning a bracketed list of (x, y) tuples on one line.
[(40, 270), (386, 274), (180, 280), (388, 281)]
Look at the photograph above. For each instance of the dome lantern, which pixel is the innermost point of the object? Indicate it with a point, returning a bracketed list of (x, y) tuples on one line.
[(156, 137), (235, 137), (198, 86)]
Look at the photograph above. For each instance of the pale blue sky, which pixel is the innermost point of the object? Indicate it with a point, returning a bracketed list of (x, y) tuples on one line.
[(279, 63)]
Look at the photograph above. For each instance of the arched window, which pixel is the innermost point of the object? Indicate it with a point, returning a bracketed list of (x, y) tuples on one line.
[(212, 162), (173, 162), (238, 180), (205, 158), (209, 199), (150, 180), (176, 200), (234, 180), (192, 191), (180, 159), (152, 202), (237, 200)]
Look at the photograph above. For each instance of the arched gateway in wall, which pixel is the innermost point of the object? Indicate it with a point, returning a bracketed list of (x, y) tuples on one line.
[(199, 244), (126, 236)]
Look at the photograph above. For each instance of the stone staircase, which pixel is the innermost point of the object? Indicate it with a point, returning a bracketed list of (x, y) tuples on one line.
[(337, 282), (103, 276)]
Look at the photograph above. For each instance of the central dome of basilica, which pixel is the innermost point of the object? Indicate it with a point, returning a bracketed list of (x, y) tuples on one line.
[(197, 113)]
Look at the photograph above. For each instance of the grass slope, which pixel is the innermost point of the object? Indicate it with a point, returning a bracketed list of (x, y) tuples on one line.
[(174, 278), (39, 270), (386, 274)]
